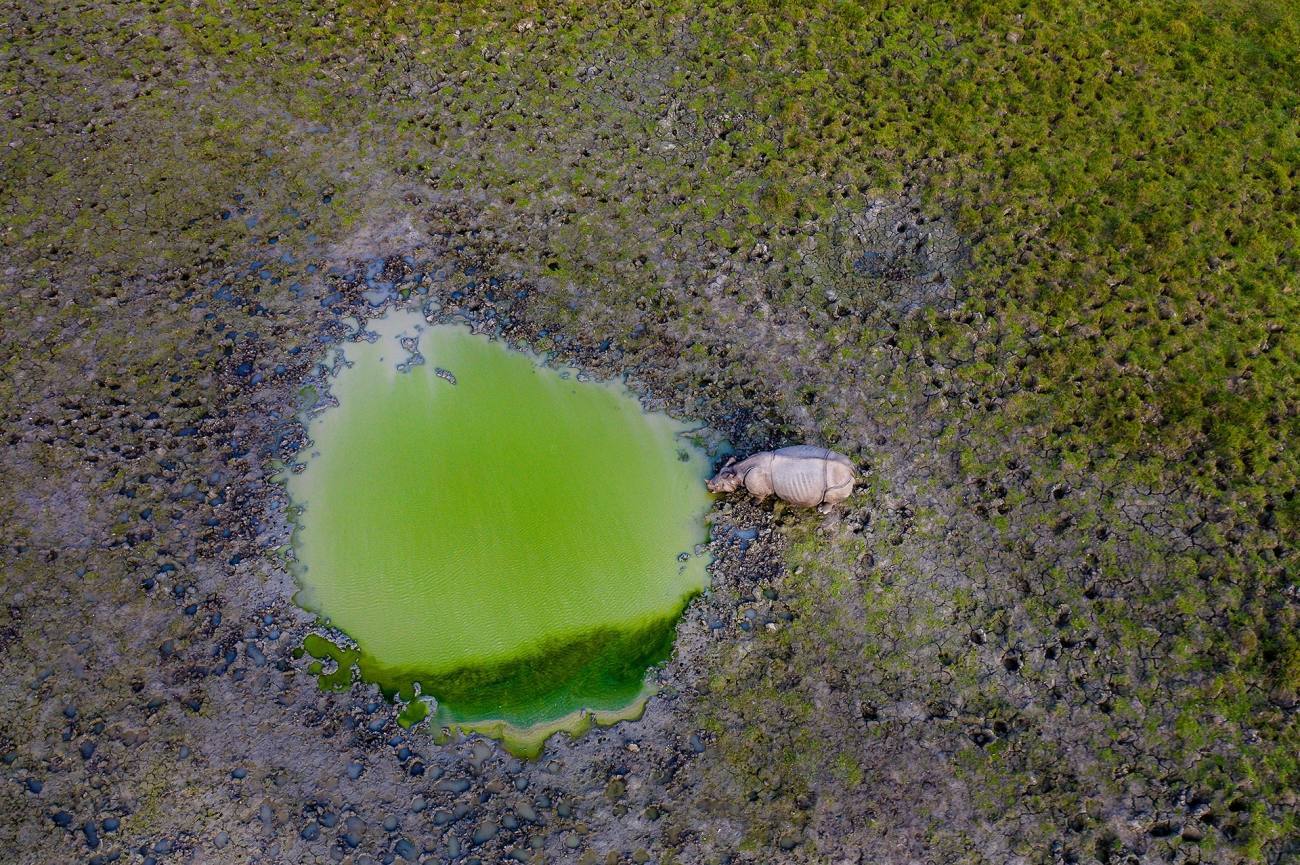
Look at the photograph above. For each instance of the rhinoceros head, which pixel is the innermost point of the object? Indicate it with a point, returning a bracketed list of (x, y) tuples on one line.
[(727, 480)]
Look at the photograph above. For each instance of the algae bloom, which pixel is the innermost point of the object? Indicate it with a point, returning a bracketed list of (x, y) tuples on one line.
[(514, 540)]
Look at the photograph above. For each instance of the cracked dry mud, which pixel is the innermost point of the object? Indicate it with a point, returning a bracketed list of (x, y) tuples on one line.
[(1033, 270)]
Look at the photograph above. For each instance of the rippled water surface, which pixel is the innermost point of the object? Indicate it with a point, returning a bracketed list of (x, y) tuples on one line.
[(507, 536)]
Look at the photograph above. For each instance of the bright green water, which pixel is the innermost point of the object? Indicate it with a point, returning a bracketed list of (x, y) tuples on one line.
[(510, 541)]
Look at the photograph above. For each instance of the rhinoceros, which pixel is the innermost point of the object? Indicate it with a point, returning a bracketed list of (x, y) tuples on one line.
[(803, 475)]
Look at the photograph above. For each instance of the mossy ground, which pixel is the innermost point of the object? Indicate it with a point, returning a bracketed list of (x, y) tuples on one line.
[(1032, 264)]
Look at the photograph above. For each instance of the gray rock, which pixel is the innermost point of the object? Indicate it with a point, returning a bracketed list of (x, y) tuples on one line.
[(453, 785)]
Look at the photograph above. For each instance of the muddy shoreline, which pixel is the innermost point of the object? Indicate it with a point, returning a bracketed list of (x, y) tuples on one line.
[(652, 753)]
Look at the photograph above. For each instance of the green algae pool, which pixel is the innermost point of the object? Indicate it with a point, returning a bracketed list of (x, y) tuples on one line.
[(494, 533)]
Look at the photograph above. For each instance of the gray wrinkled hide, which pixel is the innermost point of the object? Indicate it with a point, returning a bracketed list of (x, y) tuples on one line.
[(802, 475)]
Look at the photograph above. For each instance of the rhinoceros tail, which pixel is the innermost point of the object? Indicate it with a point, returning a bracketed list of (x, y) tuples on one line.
[(827, 486)]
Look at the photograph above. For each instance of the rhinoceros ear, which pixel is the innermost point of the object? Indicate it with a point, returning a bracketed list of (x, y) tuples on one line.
[(729, 462)]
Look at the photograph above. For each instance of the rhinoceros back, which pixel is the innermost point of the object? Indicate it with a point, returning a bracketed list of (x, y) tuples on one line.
[(802, 474), (814, 452)]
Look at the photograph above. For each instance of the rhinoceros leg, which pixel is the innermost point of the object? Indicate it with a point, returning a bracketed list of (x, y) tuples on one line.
[(757, 489), (756, 475), (835, 493)]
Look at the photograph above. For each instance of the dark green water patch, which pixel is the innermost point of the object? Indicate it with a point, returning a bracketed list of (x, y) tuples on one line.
[(603, 669), (324, 651)]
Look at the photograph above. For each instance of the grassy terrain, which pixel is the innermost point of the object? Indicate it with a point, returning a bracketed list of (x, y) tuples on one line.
[(1062, 625)]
